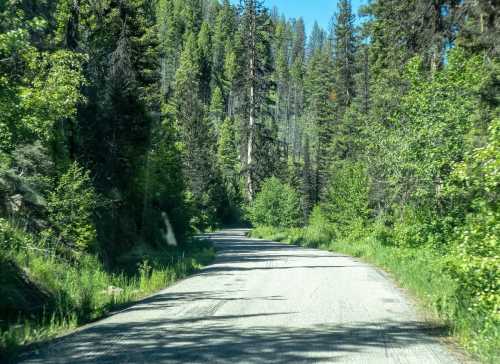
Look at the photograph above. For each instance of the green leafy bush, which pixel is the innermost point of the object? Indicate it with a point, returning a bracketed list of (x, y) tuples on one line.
[(71, 207), (277, 204), (474, 259), (346, 199), (318, 230), (381, 232), (410, 228)]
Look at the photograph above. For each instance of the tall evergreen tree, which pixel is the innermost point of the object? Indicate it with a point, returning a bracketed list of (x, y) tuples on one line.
[(320, 101), (345, 56), (297, 72), (205, 54), (282, 40), (255, 62), (317, 39), (224, 30), (120, 73), (170, 32), (189, 115)]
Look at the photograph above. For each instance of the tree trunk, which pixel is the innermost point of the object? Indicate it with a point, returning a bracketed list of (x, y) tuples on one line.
[(251, 119)]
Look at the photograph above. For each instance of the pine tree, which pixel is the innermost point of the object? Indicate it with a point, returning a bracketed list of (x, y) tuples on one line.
[(282, 57), (205, 57), (170, 35), (297, 72), (345, 53), (254, 59), (189, 115), (224, 30), (317, 40), (228, 163), (216, 110), (320, 101), (192, 16)]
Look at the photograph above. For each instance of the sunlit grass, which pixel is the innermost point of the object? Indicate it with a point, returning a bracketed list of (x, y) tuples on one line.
[(86, 291)]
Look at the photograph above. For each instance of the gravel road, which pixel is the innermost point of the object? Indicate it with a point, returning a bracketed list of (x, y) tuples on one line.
[(262, 302)]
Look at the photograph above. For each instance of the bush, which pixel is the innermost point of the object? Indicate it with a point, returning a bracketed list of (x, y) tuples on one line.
[(346, 198), (380, 231), (71, 207), (317, 231), (277, 204), (474, 259), (411, 228)]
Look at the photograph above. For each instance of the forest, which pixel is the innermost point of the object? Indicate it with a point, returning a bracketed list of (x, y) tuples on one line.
[(129, 126)]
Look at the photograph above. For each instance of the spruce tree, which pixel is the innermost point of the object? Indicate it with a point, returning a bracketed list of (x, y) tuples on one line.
[(317, 40), (282, 57), (189, 116), (229, 165), (320, 101), (345, 53), (223, 33), (297, 72), (255, 61), (205, 57)]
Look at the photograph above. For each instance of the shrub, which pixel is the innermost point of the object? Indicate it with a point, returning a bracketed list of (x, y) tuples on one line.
[(317, 232), (277, 204), (381, 232), (346, 198), (411, 228), (71, 206), (474, 258)]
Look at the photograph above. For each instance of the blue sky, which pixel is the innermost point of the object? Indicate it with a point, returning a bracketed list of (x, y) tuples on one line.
[(310, 10)]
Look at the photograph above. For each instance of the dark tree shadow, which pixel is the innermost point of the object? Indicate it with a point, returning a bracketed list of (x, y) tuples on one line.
[(213, 340)]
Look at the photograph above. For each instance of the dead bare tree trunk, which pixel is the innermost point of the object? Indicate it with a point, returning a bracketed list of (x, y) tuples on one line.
[(252, 103)]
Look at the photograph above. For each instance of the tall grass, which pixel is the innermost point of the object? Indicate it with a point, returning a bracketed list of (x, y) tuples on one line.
[(421, 271), (85, 291)]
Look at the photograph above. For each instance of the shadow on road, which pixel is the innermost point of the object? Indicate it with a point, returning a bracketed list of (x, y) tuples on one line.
[(183, 341), (205, 337)]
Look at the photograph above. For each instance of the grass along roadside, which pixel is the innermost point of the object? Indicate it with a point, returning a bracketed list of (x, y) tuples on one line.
[(420, 271), (79, 294)]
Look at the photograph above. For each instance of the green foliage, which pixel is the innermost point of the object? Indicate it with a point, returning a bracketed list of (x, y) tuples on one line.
[(10, 237), (53, 94), (410, 229), (345, 53), (475, 257), (163, 187), (168, 103), (229, 165), (276, 204), (70, 209), (346, 197), (85, 292), (434, 118), (320, 103), (318, 229), (37, 88)]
